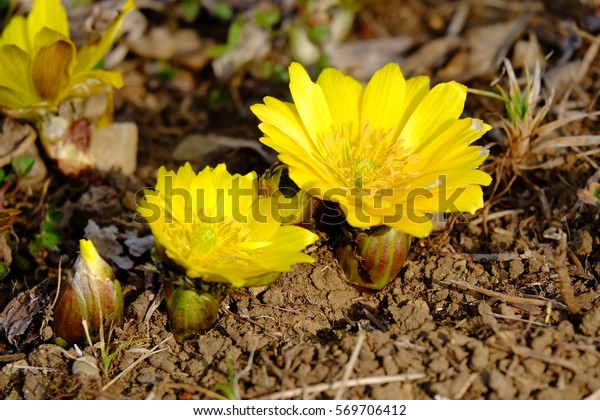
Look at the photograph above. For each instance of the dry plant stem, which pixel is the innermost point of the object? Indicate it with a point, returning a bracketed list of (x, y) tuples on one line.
[(463, 390), (503, 296), (58, 285), (9, 358), (527, 353), (89, 338), (149, 353), (496, 215), (152, 308), (240, 374), (370, 380), (350, 365), (559, 259), (514, 318)]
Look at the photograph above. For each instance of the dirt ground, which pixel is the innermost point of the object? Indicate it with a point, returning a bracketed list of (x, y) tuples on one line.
[(503, 304)]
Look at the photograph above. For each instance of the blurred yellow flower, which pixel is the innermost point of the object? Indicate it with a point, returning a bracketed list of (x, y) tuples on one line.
[(390, 153), (39, 65), (215, 227)]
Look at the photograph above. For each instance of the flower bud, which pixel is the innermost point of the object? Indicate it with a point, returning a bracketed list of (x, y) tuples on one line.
[(91, 294), (190, 311), (294, 205), (374, 257)]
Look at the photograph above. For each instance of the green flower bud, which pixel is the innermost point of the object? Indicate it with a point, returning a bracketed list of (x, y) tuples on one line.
[(191, 311), (374, 257), (91, 294)]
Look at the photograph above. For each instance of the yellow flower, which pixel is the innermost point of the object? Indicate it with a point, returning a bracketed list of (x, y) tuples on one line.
[(39, 65), (390, 153), (215, 227)]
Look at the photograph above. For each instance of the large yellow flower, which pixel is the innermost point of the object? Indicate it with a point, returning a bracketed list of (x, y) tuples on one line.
[(214, 226), (39, 65), (390, 153)]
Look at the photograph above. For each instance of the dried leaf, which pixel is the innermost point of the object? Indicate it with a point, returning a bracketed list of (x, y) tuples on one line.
[(137, 246), (105, 241), (22, 317), (483, 49), (361, 59)]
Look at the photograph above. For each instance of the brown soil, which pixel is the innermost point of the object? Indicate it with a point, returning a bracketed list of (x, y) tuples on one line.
[(491, 306)]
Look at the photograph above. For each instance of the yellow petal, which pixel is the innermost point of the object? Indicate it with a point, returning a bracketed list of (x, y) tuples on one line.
[(16, 77), (416, 225), (311, 106), (49, 14), (343, 95), (15, 33), (52, 68), (284, 117), (443, 104), (383, 99), (416, 89), (94, 50)]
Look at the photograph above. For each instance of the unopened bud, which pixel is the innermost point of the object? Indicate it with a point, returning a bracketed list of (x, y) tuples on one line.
[(373, 258), (92, 295)]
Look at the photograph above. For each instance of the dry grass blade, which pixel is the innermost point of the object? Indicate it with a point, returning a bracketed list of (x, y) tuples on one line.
[(149, 353), (315, 389), (566, 141), (350, 365)]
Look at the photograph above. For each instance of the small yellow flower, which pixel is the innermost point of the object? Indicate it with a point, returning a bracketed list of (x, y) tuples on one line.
[(390, 153), (216, 228), (39, 65)]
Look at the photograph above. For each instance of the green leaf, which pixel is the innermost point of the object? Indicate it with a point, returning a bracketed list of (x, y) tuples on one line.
[(22, 262), (223, 11), (217, 99), (319, 34), (267, 18), (218, 51), (236, 29), (53, 216), (22, 165), (2, 175), (191, 9), (4, 270)]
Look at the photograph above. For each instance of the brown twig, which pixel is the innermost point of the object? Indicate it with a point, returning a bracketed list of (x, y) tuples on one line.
[(505, 297), (527, 353)]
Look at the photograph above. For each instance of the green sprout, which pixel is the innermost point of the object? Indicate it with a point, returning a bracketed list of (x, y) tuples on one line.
[(49, 237), (228, 388)]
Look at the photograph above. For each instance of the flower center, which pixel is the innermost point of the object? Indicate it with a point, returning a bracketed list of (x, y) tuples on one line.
[(371, 160), (203, 238)]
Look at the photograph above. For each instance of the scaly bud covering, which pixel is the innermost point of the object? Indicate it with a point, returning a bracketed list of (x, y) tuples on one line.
[(92, 291), (374, 257)]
